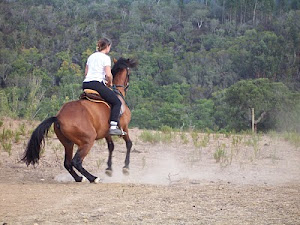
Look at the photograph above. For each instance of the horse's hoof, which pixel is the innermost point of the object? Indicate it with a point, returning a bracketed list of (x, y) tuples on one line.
[(125, 171), (83, 180), (97, 180), (108, 173)]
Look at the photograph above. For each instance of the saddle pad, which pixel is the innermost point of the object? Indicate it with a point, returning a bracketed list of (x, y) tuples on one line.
[(97, 101), (91, 91), (94, 96)]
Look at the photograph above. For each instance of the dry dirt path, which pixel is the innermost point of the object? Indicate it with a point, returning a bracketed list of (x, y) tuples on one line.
[(216, 203), (170, 183)]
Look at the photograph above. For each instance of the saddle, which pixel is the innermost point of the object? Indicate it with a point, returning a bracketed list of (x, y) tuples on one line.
[(94, 96)]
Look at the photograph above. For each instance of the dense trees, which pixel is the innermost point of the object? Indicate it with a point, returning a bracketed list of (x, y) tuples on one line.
[(201, 62), (273, 102)]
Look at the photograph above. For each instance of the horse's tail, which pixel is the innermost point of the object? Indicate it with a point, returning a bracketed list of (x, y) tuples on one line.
[(33, 149)]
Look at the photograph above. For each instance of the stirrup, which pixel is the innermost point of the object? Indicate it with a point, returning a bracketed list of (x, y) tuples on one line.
[(117, 131)]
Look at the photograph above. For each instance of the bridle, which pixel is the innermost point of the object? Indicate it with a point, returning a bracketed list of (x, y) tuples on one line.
[(125, 85), (126, 82)]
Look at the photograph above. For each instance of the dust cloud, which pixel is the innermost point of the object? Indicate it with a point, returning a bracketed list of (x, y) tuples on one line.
[(272, 162)]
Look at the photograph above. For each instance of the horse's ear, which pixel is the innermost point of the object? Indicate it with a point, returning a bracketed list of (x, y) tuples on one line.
[(115, 60)]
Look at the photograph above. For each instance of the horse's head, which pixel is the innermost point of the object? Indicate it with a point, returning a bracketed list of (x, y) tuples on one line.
[(121, 73)]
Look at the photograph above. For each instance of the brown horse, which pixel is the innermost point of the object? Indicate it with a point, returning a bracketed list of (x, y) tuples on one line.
[(82, 122)]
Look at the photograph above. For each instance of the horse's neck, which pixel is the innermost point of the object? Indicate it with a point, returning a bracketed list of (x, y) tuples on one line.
[(121, 90), (120, 85)]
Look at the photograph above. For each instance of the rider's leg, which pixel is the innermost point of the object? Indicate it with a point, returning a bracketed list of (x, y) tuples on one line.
[(108, 95)]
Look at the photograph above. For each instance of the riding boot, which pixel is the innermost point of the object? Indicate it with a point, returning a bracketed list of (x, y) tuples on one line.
[(115, 130)]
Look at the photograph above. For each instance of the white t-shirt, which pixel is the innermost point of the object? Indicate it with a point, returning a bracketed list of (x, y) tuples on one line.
[(96, 67)]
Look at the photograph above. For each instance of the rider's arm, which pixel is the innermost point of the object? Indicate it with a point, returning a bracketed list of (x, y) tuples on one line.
[(86, 69), (108, 76)]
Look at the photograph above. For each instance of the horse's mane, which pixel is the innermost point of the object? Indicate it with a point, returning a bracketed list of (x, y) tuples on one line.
[(123, 63)]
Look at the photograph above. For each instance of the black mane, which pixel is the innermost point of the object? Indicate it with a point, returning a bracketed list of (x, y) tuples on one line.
[(123, 64)]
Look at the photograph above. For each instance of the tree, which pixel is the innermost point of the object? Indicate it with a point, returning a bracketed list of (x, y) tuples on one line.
[(267, 98)]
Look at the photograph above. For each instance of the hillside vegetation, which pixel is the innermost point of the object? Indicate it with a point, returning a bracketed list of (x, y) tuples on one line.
[(202, 64)]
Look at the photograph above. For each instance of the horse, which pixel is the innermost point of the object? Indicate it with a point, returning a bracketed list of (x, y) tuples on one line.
[(81, 122)]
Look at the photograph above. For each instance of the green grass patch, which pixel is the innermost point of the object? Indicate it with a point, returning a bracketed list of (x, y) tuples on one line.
[(157, 137), (184, 138), (220, 153), (7, 146), (293, 138), (147, 136), (253, 141)]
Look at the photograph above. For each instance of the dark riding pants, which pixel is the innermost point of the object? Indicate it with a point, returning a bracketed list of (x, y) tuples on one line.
[(108, 95)]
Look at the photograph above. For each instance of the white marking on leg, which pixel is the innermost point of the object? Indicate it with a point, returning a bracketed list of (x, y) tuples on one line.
[(97, 180)]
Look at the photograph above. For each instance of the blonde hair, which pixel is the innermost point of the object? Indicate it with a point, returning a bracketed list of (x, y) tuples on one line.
[(103, 43)]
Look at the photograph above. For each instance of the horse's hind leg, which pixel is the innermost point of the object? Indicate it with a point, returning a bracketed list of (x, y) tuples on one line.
[(110, 146), (77, 162), (127, 159), (68, 154), (69, 167)]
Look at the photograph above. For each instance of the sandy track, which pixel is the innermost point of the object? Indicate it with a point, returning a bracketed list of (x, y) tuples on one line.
[(50, 203), (170, 183)]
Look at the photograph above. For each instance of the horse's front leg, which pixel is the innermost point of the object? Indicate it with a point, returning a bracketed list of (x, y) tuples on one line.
[(111, 147), (127, 159)]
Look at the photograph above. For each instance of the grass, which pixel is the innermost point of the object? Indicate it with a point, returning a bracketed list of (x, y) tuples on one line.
[(166, 129), (165, 136), (6, 140), (253, 141), (7, 147), (22, 130), (200, 141), (236, 140), (205, 140), (100, 162), (293, 138), (10, 134), (184, 138), (6, 134), (220, 153), (17, 137), (195, 138), (151, 137), (56, 150)]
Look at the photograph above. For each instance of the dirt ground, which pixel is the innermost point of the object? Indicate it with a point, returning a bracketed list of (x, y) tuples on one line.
[(174, 181)]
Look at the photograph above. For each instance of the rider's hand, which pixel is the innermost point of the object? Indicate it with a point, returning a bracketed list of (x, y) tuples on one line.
[(108, 84)]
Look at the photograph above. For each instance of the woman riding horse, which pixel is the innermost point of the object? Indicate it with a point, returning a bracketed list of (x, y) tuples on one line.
[(82, 122), (98, 77)]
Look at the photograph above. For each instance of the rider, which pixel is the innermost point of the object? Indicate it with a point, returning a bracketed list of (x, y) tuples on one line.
[(98, 77)]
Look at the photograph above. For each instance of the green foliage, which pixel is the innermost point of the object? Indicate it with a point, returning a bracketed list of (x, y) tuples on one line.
[(191, 55), (202, 114), (233, 105)]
